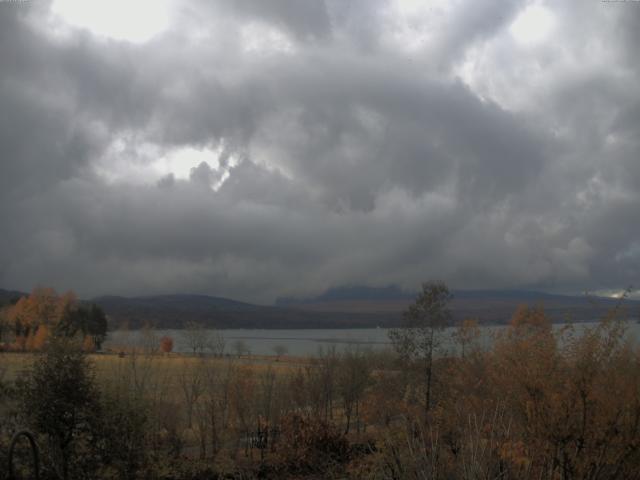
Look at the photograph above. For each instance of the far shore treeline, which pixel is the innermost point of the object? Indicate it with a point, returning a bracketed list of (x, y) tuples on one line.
[(344, 307)]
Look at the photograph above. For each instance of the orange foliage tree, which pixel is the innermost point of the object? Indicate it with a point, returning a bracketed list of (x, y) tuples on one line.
[(43, 313), (166, 344), (88, 344), (41, 337)]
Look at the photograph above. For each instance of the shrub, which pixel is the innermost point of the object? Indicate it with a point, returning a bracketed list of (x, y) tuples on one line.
[(166, 344), (59, 400), (308, 445)]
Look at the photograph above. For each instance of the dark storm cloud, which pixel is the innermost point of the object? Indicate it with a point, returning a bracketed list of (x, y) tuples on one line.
[(335, 149)]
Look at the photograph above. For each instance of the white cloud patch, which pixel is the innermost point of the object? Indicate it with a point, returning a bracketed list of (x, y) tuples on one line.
[(533, 25), (259, 38), (136, 21)]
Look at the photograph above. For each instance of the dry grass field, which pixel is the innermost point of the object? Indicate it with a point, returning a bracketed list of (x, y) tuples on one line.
[(170, 365)]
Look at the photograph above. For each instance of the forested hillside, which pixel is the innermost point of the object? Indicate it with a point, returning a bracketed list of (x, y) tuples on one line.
[(350, 307)]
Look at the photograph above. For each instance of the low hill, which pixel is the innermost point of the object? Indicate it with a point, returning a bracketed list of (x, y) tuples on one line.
[(344, 307), (9, 296), (174, 311), (488, 306)]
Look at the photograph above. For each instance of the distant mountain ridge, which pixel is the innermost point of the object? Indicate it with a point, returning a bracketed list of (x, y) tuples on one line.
[(174, 311), (488, 306), (391, 292), (7, 296), (179, 301), (340, 307)]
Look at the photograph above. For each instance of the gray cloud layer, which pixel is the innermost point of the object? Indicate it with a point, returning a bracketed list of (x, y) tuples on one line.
[(341, 143)]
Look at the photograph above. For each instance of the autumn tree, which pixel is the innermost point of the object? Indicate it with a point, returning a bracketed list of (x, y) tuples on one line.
[(41, 307), (166, 344), (4, 322), (41, 337), (22, 317), (88, 344), (62, 315), (420, 335), (29, 343)]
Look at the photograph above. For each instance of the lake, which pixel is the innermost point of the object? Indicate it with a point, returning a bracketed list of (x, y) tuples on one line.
[(303, 342)]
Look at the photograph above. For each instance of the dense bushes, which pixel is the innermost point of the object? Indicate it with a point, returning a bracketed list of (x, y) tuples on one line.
[(537, 405), (83, 433), (59, 400), (309, 445)]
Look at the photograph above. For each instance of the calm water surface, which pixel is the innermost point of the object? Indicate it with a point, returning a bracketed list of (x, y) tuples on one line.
[(302, 342)]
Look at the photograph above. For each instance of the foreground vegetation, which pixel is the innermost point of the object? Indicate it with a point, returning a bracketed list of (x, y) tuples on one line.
[(537, 404)]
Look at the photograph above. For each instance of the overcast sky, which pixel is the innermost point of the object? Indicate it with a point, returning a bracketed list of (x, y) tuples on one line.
[(256, 149)]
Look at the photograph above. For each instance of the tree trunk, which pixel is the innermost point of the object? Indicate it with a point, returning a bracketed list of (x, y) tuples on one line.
[(214, 434), (203, 445), (429, 371), (65, 465), (347, 413)]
